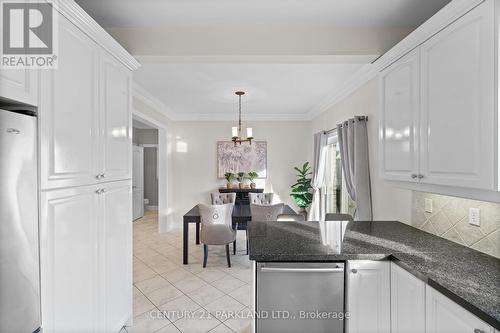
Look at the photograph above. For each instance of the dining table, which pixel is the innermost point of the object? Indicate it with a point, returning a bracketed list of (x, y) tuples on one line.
[(240, 217)]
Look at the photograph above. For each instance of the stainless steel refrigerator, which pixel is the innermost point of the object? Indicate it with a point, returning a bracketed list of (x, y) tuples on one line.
[(19, 251)]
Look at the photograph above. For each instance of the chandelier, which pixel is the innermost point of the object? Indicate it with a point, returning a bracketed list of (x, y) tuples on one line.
[(236, 130)]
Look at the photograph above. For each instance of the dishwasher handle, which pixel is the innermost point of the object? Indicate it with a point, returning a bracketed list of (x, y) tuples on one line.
[(301, 270)]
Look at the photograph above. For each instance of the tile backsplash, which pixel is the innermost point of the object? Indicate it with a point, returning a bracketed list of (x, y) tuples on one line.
[(450, 219)]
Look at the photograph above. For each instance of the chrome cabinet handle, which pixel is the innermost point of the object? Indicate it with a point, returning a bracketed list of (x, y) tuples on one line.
[(98, 176), (354, 271), (101, 175), (420, 176), (414, 176), (100, 191), (477, 330)]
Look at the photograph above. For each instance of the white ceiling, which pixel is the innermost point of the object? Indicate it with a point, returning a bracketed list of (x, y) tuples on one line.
[(206, 91), (227, 13), (288, 55)]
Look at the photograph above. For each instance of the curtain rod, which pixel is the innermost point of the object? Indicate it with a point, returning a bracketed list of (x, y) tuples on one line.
[(361, 118)]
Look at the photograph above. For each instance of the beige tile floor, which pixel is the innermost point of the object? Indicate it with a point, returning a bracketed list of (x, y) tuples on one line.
[(172, 297)]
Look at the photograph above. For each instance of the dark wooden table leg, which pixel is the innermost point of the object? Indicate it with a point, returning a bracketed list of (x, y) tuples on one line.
[(197, 232), (185, 242)]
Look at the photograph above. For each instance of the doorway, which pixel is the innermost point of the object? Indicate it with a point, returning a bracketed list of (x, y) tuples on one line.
[(145, 169)]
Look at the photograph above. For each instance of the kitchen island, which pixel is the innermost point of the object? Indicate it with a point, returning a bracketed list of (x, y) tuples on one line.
[(467, 277)]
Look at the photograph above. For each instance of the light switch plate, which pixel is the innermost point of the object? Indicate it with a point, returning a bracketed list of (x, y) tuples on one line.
[(475, 216), (428, 205)]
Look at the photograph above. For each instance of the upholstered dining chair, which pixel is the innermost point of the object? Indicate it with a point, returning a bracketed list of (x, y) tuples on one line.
[(223, 198), (266, 212), (216, 228), (292, 217), (261, 198)]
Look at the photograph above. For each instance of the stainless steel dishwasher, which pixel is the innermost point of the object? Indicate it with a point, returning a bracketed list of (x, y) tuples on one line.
[(300, 297)]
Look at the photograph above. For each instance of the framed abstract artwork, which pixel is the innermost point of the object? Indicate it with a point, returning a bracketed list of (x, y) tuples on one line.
[(242, 158)]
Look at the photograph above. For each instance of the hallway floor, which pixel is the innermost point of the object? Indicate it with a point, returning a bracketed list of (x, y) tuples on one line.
[(172, 297)]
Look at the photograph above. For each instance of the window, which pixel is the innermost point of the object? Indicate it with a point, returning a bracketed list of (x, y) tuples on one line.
[(336, 198)]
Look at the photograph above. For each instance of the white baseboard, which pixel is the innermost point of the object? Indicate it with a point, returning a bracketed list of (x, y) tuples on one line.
[(150, 207)]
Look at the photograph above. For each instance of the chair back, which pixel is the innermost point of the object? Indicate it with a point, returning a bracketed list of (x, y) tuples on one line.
[(216, 224), (292, 217), (266, 212), (261, 198), (338, 217), (223, 198)]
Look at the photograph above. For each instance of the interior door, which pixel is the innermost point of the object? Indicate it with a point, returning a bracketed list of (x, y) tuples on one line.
[(458, 112), (117, 253), (138, 182), (399, 118)]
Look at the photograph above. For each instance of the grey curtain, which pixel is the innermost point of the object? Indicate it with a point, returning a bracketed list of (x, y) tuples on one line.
[(353, 144), (316, 211)]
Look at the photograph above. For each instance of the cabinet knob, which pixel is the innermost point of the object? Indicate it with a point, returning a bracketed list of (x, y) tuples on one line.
[(477, 330), (414, 176), (99, 191), (420, 176), (354, 271)]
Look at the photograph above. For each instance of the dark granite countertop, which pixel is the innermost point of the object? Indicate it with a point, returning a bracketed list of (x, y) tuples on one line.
[(469, 277)]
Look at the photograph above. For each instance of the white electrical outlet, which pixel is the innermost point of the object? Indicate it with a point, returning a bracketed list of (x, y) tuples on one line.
[(428, 205), (475, 216)]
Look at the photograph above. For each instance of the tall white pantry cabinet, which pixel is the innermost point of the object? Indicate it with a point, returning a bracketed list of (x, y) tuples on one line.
[(85, 144)]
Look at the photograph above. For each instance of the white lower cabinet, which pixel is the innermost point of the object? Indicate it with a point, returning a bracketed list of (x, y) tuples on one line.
[(407, 302), (86, 258), (445, 316), (368, 296)]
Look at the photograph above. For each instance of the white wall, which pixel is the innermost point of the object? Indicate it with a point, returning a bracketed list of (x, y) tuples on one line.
[(389, 202), (195, 158)]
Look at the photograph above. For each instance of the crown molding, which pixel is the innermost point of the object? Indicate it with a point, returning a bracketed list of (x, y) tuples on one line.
[(363, 75), (147, 98), (248, 117), (76, 15), (258, 59)]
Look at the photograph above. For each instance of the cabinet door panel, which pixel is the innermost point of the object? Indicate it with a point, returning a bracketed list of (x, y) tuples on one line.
[(117, 247), (457, 119), (368, 297), (407, 302), (116, 121), (68, 113), (445, 316), (69, 243), (399, 118), (19, 85)]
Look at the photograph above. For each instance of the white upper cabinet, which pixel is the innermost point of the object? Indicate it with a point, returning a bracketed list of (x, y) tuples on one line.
[(458, 111), (407, 302), (116, 120), (85, 115), (68, 112), (399, 118), (19, 85), (438, 108), (368, 296), (445, 316)]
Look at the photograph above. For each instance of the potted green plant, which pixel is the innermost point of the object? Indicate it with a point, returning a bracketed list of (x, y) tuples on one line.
[(241, 179), (252, 176), (302, 189), (229, 177)]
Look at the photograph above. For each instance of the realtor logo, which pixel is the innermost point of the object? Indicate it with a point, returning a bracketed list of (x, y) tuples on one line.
[(28, 34)]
